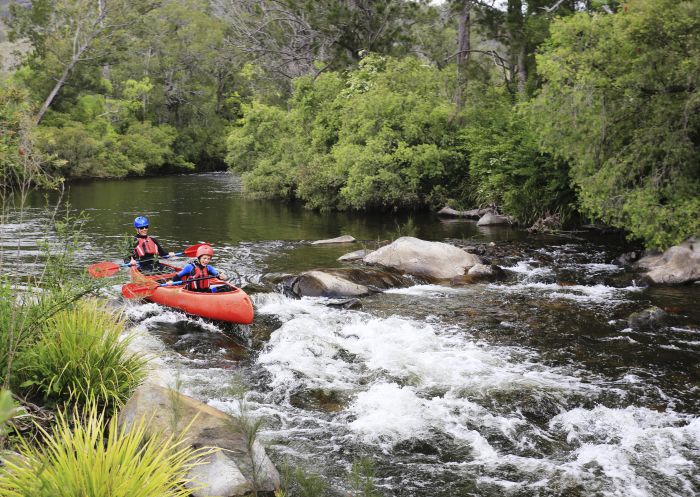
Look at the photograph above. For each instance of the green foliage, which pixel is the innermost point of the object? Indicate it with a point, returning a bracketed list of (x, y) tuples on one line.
[(621, 102), (374, 138), (20, 162), (507, 167), (362, 478), (8, 411), (88, 144), (89, 457), (308, 484), (80, 356)]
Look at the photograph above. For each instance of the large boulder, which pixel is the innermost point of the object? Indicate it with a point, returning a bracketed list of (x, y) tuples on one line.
[(679, 264), (339, 239), (433, 260), (234, 470), (320, 284), (341, 283)]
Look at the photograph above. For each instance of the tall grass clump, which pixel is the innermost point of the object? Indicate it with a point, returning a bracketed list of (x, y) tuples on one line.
[(86, 456), (81, 357)]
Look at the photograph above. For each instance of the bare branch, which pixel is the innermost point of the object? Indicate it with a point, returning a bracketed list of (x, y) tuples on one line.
[(553, 7)]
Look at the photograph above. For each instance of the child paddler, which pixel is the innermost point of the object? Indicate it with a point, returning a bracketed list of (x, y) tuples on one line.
[(197, 274), (146, 249)]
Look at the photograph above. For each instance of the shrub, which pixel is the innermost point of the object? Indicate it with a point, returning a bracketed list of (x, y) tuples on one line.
[(377, 137), (84, 456), (506, 165), (620, 102), (80, 357)]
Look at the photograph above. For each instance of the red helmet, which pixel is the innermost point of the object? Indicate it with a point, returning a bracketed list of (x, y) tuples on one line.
[(205, 250)]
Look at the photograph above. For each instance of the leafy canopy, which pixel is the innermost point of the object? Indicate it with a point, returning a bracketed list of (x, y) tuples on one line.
[(621, 103)]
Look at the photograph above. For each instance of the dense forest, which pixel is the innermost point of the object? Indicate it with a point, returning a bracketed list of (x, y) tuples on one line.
[(589, 110)]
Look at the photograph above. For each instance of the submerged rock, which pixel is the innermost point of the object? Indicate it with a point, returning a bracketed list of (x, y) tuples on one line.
[(226, 473), (480, 273), (339, 239), (344, 282), (434, 260), (678, 265), (651, 317), (354, 256), (345, 304)]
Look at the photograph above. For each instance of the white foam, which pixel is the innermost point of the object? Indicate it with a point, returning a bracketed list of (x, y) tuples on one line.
[(631, 447), (428, 376), (434, 291), (601, 294), (527, 269)]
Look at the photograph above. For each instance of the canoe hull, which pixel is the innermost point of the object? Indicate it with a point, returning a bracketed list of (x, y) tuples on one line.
[(232, 306)]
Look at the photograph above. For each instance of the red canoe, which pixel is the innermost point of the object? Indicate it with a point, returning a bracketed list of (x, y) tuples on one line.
[(227, 303)]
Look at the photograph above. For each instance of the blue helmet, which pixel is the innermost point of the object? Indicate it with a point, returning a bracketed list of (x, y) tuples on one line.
[(141, 222)]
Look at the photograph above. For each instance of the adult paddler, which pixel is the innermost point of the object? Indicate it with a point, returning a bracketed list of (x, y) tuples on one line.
[(146, 249)]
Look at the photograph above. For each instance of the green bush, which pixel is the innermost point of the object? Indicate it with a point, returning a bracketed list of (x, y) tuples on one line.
[(506, 164), (80, 356), (620, 102), (379, 136), (87, 457)]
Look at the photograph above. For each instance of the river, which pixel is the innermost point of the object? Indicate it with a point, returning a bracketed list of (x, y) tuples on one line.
[(534, 386)]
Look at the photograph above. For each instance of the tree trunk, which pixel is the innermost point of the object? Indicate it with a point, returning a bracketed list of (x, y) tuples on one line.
[(464, 53), (516, 35), (57, 87)]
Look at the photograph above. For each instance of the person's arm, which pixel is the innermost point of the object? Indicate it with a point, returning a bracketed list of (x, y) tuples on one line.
[(161, 251), (185, 271), (214, 272)]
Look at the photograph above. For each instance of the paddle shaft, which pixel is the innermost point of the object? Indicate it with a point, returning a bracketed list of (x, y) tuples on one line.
[(104, 269), (188, 280)]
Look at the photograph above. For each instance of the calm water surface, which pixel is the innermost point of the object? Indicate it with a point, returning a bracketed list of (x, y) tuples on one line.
[(531, 386)]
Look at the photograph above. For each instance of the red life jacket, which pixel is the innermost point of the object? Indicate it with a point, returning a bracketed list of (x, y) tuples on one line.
[(145, 246), (199, 271)]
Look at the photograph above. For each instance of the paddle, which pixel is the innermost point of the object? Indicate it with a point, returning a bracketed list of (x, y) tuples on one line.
[(137, 291), (105, 269)]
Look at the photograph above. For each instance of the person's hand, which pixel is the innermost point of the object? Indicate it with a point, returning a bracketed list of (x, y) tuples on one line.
[(169, 283), (222, 275), (171, 254), (132, 262)]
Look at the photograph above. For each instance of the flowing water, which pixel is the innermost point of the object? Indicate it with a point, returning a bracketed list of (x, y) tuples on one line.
[(531, 386)]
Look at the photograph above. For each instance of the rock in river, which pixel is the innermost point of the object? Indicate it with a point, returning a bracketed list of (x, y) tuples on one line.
[(434, 260), (354, 256), (480, 273), (227, 472), (339, 283), (491, 219), (678, 265), (339, 239)]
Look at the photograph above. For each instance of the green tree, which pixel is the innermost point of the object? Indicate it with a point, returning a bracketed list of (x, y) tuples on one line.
[(621, 102), (70, 37), (379, 137), (506, 165)]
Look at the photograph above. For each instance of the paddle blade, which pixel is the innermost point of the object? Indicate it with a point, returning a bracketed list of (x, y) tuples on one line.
[(191, 251), (103, 269), (135, 291)]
